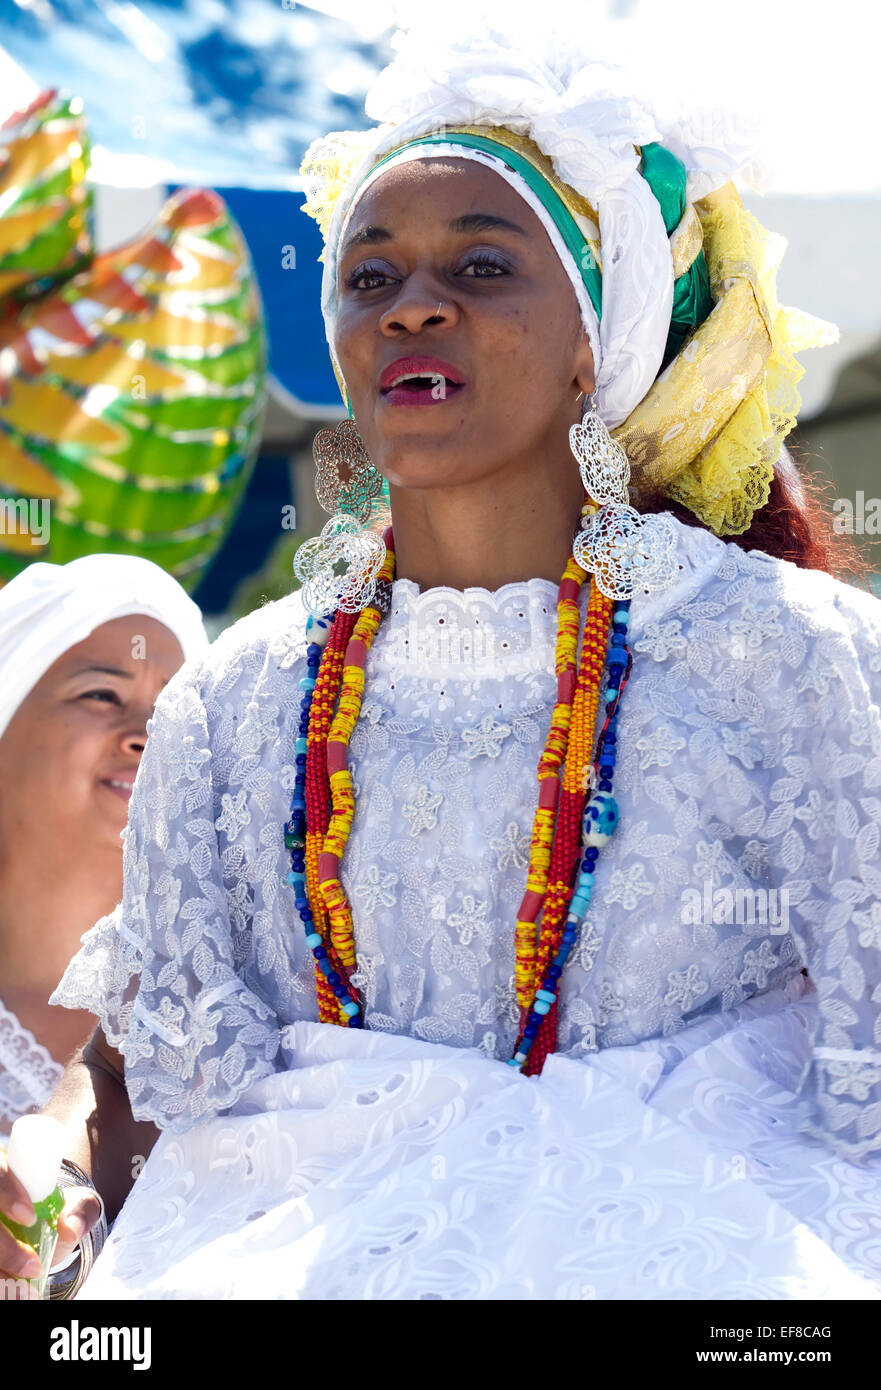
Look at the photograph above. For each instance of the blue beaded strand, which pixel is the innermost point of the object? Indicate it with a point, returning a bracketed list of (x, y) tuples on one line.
[(600, 820), (318, 629)]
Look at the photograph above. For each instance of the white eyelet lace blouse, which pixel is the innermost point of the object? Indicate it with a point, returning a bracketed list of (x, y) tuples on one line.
[(708, 1099), (749, 758)]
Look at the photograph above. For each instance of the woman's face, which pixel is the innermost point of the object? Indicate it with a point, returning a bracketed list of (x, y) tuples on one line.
[(509, 327), (69, 755)]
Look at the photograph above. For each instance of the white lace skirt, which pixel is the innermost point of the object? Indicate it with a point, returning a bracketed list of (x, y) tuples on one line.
[(381, 1167)]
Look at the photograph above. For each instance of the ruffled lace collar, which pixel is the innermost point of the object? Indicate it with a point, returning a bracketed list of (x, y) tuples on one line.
[(499, 632)]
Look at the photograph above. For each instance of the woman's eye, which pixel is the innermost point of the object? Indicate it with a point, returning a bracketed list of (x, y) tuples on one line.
[(109, 695), (481, 260), (352, 281)]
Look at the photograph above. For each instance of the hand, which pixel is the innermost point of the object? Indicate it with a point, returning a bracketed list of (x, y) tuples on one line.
[(18, 1262), (79, 1214)]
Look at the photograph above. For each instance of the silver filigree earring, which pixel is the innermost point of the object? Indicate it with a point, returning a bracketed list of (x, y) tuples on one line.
[(339, 568), (345, 477), (602, 463), (622, 549)]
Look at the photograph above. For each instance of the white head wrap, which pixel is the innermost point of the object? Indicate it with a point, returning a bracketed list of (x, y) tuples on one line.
[(582, 114), (47, 609)]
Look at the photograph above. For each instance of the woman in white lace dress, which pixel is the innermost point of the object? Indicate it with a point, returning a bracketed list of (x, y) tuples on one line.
[(85, 649), (707, 1122)]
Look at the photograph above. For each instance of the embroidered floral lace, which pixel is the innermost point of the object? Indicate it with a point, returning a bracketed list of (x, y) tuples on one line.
[(28, 1074), (750, 761)]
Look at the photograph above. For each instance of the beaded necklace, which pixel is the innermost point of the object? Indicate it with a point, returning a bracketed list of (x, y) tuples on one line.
[(576, 813)]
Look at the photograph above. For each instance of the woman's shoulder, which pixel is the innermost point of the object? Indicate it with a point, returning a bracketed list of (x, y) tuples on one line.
[(773, 596), (275, 630), (268, 641)]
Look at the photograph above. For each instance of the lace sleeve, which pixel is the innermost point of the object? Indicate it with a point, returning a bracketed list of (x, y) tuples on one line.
[(159, 971), (828, 819)]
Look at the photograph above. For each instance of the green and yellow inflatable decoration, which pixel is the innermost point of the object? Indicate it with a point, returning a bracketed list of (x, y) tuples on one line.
[(132, 384)]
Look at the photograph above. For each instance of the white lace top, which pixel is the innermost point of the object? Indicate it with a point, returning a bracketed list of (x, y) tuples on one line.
[(28, 1074), (749, 759)]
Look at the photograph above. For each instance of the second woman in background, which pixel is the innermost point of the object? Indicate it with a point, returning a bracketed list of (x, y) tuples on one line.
[(85, 648)]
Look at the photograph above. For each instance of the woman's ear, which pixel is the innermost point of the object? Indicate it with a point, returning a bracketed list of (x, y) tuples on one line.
[(584, 369)]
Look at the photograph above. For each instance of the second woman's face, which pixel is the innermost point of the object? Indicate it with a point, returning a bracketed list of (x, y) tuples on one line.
[(509, 328), (69, 756)]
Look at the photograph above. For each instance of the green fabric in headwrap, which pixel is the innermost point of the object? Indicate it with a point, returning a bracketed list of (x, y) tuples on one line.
[(692, 301)]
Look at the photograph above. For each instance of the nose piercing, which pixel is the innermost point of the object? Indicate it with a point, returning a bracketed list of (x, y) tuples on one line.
[(437, 310)]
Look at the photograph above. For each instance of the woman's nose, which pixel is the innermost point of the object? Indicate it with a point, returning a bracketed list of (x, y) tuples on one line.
[(416, 308), (134, 734), (134, 740), (136, 717)]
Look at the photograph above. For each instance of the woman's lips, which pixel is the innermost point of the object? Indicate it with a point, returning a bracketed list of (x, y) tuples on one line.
[(120, 786), (421, 395), (420, 380)]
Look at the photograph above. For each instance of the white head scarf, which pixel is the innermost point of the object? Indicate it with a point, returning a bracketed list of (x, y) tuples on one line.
[(47, 609), (583, 114)]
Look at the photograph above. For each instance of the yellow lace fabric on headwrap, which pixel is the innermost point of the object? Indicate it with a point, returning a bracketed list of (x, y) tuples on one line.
[(326, 169), (709, 430)]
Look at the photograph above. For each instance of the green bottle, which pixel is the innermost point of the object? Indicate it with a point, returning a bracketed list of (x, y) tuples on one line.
[(36, 1147)]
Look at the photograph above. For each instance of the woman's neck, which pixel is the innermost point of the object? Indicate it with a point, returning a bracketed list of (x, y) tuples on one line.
[(485, 536)]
